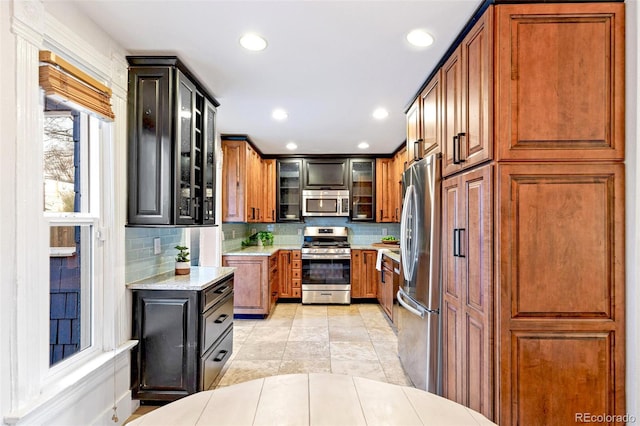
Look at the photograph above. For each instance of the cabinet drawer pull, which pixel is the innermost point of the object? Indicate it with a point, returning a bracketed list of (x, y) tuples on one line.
[(455, 242), (456, 154), (460, 240), (416, 150), (382, 277), (222, 290), (222, 318), (221, 355), (460, 136)]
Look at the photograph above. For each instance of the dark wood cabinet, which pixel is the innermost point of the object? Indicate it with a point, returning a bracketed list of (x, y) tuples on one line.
[(171, 145), (414, 131), (467, 292), (289, 190), (290, 278), (389, 281), (362, 181), (185, 338), (325, 173), (364, 276), (386, 190)]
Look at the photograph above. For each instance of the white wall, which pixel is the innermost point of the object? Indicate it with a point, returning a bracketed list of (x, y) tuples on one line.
[(633, 210)]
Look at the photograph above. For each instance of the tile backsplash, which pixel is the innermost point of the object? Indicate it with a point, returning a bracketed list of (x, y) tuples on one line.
[(141, 263), (360, 233)]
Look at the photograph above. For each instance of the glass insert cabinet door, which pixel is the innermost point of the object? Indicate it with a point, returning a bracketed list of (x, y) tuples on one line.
[(190, 147), (362, 190), (289, 190)]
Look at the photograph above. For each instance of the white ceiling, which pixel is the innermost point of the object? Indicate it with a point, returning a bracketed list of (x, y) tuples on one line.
[(328, 63)]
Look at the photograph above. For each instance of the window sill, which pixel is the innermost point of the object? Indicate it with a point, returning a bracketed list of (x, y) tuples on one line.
[(91, 373)]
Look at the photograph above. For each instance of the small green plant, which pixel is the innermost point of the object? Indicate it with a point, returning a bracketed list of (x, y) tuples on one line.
[(266, 237), (183, 254)]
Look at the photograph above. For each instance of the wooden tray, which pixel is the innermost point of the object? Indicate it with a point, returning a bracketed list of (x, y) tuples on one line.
[(386, 245)]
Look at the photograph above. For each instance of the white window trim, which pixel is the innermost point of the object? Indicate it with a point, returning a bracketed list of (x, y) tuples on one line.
[(33, 383)]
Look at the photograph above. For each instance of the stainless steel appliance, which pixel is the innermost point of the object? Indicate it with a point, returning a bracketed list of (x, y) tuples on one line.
[(316, 202), (326, 265), (419, 296)]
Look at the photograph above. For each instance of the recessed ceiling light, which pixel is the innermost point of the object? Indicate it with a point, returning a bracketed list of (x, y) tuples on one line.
[(291, 146), (363, 145), (279, 114), (380, 114), (253, 42), (420, 38)]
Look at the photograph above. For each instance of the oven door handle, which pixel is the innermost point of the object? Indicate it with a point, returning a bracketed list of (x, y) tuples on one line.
[(308, 256)]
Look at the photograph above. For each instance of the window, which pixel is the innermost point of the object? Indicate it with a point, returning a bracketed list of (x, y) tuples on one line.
[(72, 145)]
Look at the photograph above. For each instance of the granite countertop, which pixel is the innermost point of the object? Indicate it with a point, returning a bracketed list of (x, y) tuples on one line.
[(200, 278), (260, 251), (392, 252)]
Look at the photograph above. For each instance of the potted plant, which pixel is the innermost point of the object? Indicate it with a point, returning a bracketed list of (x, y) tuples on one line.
[(183, 265), (265, 238)]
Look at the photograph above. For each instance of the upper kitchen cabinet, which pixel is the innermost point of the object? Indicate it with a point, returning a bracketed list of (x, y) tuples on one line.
[(289, 190), (269, 187), (321, 173), (363, 191), (245, 175), (386, 190), (172, 128), (560, 76), (467, 94), (414, 131)]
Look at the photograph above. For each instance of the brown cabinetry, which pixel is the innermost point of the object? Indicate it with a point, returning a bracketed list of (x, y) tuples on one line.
[(467, 91), (467, 294), (560, 75), (561, 277), (290, 266), (245, 176), (364, 277), (386, 190), (424, 122), (388, 285), (253, 283)]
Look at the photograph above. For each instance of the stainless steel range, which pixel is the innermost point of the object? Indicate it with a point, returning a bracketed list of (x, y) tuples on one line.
[(326, 265)]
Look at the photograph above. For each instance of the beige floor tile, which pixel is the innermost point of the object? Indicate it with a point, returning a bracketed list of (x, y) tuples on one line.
[(311, 310), (276, 333), (394, 372), (275, 322), (367, 368), (295, 366), (310, 321), (348, 334), (306, 350), (309, 334), (382, 333), (349, 351), (242, 371), (343, 310), (346, 321), (261, 350), (386, 350)]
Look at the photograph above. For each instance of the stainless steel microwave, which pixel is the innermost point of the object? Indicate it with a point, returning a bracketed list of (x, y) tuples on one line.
[(317, 202)]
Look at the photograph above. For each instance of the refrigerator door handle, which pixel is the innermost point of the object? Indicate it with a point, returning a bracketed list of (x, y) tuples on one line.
[(407, 264), (408, 307)]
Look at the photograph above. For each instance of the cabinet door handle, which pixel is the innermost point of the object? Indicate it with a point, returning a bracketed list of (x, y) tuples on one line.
[(273, 214), (460, 136), (455, 242), (221, 355), (456, 148), (222, 318), (460, 241), (416, 149), (258, 213), (382, 277)]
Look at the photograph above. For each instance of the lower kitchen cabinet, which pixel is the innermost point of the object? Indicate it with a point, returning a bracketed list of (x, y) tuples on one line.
[(290, 274), (364, 276), (254, 283), (562, 291), (388, 285), (185, 338), (467, 294)]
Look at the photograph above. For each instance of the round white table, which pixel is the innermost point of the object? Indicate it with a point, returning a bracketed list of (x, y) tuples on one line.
[(313, 399)]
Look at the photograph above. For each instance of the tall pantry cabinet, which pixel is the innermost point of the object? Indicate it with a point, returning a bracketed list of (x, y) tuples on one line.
[(533, 213)]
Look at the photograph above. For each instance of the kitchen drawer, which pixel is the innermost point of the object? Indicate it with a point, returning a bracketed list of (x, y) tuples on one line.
[(387, 263), (296, 273), (216, 321), (296, 264), (213, 295), (296, 283), (296, 254), (296, 292), (212, 362)]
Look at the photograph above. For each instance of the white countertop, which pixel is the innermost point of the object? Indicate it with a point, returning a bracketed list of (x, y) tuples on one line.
[(260, 250), (200, 278), (313, 399)]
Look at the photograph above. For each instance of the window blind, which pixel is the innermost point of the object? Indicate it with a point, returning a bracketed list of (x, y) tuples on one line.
[(66, 83)]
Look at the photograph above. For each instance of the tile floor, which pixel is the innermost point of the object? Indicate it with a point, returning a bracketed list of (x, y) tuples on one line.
[(352, 339), (346, 339)]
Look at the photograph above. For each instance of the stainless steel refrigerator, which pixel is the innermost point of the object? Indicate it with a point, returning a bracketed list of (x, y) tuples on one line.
[(419, 296)]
